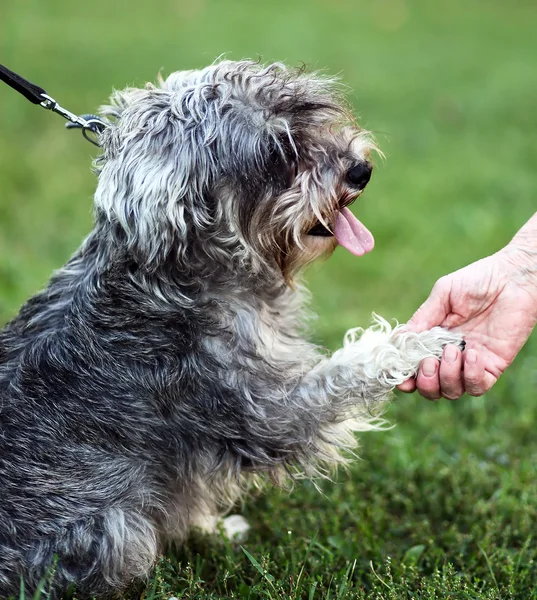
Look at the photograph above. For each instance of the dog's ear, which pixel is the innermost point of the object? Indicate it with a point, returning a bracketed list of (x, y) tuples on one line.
[(153, 174), (164, 151)]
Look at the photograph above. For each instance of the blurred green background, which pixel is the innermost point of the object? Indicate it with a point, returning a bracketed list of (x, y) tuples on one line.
[(444, 505)]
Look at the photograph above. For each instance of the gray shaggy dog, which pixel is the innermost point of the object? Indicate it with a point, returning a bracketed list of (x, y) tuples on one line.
[(166, 366)]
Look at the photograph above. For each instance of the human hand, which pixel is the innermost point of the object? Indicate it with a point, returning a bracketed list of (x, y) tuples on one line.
[(493, 303)]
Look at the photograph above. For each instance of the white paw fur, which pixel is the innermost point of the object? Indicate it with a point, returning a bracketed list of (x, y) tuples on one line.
[(392, 355), (235, 528)]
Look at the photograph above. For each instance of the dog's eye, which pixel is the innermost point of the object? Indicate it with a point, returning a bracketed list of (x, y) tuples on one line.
[(275, 157)]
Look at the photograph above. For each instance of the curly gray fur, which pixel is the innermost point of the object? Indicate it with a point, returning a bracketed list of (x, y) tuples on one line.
[(166, 363)]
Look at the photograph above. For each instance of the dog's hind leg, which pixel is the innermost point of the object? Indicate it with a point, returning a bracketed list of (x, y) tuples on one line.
[(97, 556)]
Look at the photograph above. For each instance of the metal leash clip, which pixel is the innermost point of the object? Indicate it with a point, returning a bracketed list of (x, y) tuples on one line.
[(91, 125)]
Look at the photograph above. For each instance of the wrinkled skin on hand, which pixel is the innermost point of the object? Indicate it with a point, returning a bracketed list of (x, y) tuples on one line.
[(493, 302)]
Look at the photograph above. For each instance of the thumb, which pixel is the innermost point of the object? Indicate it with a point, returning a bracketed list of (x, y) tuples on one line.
[(434, 310)]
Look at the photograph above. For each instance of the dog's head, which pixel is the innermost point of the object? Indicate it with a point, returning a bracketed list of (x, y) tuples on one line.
[(238, 162)]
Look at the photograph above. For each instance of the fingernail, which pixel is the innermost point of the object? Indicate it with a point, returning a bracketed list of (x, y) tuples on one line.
[(429, 368), (471, 357), (451, 354)]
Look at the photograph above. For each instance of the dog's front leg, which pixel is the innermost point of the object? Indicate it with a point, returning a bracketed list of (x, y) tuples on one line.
[(373, 361), (346, 391)]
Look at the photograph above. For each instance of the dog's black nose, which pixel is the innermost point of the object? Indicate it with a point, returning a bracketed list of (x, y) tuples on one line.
[(360, 175)]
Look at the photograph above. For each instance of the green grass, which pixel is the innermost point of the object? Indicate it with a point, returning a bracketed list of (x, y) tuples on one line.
[(445, 504)]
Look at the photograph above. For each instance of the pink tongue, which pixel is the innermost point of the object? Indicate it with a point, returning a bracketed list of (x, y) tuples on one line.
[(351, 234)]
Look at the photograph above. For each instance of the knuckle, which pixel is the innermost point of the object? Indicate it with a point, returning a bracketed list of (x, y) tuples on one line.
[(452, 388), (429, 390), (475, 391), (451, 380), (475, 384), (429, 393), (441, 284)]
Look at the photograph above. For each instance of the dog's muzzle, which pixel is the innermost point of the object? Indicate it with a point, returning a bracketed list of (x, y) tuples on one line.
[(357, 177)]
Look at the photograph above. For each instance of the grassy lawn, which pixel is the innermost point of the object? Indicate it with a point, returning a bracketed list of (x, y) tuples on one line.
[(444, 505)]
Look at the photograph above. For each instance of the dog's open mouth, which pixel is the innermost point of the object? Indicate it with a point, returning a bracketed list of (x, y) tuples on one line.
[(349, 233), (320, 230)]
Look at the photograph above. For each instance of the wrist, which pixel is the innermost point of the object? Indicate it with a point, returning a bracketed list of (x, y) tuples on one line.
[(521, 252), (520, 260), (525, 240)]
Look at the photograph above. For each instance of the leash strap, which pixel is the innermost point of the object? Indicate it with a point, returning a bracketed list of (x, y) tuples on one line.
[(30, 91), (90, 125)]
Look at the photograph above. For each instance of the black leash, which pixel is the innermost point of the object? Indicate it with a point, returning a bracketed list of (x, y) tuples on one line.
[(91, 125)]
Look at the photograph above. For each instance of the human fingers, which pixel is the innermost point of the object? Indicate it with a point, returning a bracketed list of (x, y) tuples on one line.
[(434, 310), (408, 386), (427, 380), (477, 380), (450, 373)]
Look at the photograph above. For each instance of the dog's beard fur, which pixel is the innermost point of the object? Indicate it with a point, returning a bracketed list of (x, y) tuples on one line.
[(166, 364)]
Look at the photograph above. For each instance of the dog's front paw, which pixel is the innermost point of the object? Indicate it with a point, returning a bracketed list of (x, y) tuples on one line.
[(437, 338), (389, 355), (235, 528), (417, 346)]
